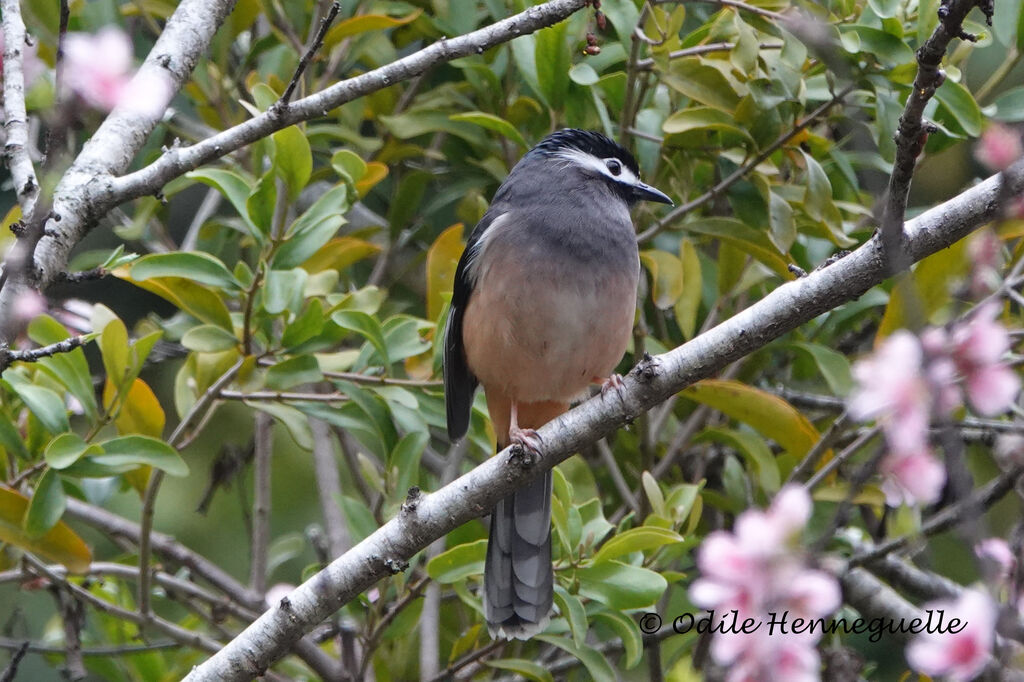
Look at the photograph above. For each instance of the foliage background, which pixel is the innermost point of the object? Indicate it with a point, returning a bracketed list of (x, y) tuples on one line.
[(296, 293)]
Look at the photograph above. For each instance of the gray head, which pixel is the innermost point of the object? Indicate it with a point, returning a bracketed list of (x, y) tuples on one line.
[(597, 158)]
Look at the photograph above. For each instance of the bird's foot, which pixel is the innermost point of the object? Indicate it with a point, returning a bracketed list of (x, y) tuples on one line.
[(528, 439), (613, 382)]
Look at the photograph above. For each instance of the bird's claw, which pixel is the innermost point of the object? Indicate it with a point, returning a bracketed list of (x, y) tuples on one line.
[(528, 439), (613, 382)]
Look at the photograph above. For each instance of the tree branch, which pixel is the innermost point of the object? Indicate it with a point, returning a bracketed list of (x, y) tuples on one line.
[(9, 357), (23, 173), (387, 550), (912, 132)]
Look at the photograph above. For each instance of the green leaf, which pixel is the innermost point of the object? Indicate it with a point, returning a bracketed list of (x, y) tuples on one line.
[(360, 519), (194, 299), (66, 449), (780, 217), (458, 562), (140, 451), (553, 62), (753, 449), (598, 667), (890, 50), (702, 119), (404, 460), (653, 491), (959, 102), (746, 239), (493, 123), (702, 83), (834, 366), (366, 326), (47, 505), (571, 608), (688, 304), (59, 544), (71, 368), (348, 165), (283, 290), (293, 420), (583, 74), (1009, 106), (231, 185), (621, 586), (526, 669), (302, 369), (885, 8), (636, 540), (47, 406), (115, 351), (306, 326), (10, 439), (293, 159), (627, 630), (818, 194), (209, 338), (666, 276), (192, 265), (262, 203)]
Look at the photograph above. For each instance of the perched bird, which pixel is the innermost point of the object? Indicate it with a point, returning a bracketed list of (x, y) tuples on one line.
[(542, 307)]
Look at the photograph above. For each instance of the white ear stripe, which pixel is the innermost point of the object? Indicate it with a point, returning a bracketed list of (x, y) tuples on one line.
[(591, 162)]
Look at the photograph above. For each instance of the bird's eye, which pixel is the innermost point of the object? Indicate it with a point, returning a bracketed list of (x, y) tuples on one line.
[(613, 166)]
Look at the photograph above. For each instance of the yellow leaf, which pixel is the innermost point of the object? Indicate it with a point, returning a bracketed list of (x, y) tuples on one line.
[(364, 23), (689, 302), (768, 414), (138, 479), (59, 544), (338, 254), (375, 172), (442, 260), (917, 297), (666, 276), (195, 299), (140, 412)]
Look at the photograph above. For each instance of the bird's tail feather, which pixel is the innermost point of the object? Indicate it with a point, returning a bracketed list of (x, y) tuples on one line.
[(518, 579)]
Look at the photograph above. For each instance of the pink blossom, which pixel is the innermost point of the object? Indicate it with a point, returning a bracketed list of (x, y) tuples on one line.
[(98, 67), (1009, 451), (755, 571), (28, 305), (984, 252), (978, 348), (892, 388), (997, 558), (277, 592), (912, 478), (998, 147), (961, 655)]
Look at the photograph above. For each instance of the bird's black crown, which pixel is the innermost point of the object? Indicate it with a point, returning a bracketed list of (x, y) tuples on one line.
[(589, 142)]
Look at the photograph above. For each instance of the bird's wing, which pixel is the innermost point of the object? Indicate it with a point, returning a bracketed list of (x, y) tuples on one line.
[(459, 382)]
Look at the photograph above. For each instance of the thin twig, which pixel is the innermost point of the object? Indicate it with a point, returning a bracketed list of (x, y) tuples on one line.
[(99, 652), (304, 62), (707, 48), (283, 395), (328, 485), (612, 467), (827, 440), (912, 132), (20, 649), (8, 356), (847, 452), (263, 451), (175, 632), (983, 498)]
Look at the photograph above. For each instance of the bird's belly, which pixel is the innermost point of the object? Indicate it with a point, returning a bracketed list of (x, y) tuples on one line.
[(545, 338)]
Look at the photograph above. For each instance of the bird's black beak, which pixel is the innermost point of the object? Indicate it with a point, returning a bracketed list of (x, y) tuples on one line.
[(642, 192)]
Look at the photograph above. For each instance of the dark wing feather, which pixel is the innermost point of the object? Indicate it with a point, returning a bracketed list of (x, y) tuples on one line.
[(459, 382)]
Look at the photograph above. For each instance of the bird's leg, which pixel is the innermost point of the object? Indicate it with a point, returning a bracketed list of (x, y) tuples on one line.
[(528, 439), (614, 381)]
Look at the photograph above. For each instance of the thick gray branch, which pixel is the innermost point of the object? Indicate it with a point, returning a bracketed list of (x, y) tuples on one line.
[(114, 145), (430, 516), (26, 186)]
